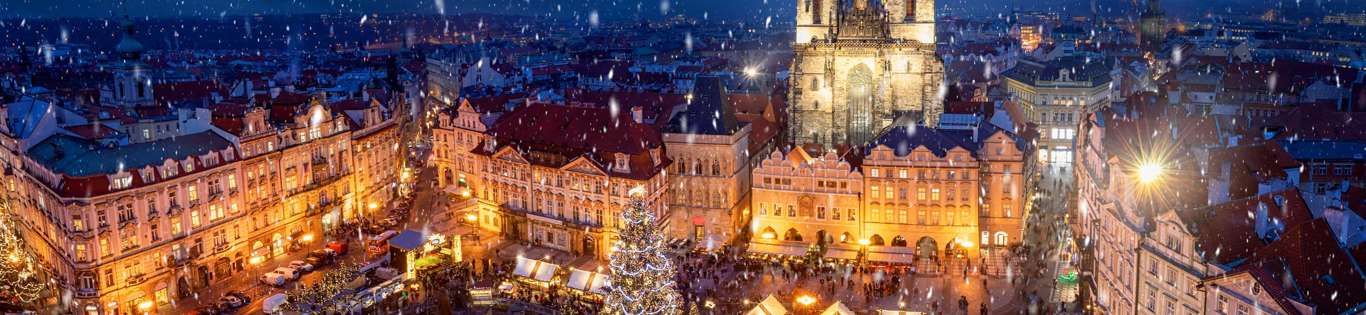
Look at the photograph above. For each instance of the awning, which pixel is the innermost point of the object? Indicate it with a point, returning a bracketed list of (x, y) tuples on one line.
[(777, 249), (587, 280), (894, 258), (770, 306), (600, 284), (836, 253), (546, 271), (579, 279), (525, 267), (453, 189), (837, 309)]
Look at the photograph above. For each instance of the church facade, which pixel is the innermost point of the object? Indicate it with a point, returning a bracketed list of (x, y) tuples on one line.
[(858, 66)]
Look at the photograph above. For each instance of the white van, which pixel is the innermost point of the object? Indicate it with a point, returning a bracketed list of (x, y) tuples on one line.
[(272, 304), (290, 273), (273, 279)]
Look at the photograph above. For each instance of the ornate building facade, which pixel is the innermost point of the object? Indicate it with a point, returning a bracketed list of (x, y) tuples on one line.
[(917, 197), (858, 66)]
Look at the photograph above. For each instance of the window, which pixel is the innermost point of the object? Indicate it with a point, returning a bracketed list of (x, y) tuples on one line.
[(232, 181), (920, 217), (155, 233), (851, 214), (890, 193), (875, 192), (192, 194), (1006, 208), (920, 194), (934, 194), (194, 218), (175, 226), (834, 214), (1320, 169), (820, 212), (77, 224), (121, 181), (1342, 170), (874, 173), (80, 252), (901, 173)]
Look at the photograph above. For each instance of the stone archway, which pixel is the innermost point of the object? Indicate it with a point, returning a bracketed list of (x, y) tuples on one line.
[(926, 247), (589, 246), (792, 235), (899, 241), (876, 240)]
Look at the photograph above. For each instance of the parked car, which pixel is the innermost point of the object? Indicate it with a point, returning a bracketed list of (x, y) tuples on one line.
[(301, 266), (245, 299), (228, 302), (274, 279), (338, 247), (315, 261), (205, 310), (289, 272)]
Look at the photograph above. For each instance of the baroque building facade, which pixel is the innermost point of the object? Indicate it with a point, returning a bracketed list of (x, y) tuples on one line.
[(935, 198), (857, 66)]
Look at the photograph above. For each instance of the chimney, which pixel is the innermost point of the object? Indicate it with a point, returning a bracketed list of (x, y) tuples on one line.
[(638, 114)]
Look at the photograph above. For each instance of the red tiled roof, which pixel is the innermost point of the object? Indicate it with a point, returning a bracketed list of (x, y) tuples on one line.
[(1321, 122), (1227, 232), (562, 134), (184, 91), (1253, 164), (1321, 272)]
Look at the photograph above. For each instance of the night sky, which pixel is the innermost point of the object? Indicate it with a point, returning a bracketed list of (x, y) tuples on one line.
[(631, 9)]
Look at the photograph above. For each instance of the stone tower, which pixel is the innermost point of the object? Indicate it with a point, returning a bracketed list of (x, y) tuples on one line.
[(1152, 27), (860, 65), (132, 85)]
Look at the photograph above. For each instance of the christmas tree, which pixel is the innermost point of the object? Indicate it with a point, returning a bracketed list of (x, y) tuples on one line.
[(20, 284), (642, 275)]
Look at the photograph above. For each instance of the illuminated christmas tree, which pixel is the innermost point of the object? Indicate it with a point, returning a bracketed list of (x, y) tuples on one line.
[(20, 283), (642, 275)]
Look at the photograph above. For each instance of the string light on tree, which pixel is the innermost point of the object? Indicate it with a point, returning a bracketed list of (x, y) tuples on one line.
[(20, 284), (642, 275)]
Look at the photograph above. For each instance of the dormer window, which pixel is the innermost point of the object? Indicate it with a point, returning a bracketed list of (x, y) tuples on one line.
[(120, 181), (147, 174), (169, 170), (228, 155), (188, 165), (621, 163)]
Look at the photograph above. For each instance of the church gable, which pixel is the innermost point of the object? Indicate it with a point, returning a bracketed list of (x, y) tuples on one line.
[(510, 155)]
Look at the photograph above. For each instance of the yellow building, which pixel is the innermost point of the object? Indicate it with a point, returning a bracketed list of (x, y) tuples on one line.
[(557, 176), (915, 196)]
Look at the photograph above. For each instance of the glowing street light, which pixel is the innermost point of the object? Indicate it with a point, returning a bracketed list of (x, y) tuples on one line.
[(751, 71), (806, 300), (864, 242), (1149, 172)]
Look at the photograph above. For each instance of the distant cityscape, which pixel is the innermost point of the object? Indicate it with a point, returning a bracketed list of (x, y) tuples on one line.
[(815, 156)]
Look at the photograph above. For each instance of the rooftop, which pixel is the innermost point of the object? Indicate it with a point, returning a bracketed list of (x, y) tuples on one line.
[(78, 157)]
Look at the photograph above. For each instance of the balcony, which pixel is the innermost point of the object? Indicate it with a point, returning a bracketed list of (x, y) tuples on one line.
[(220, 247), (104, 227), (85, 233), (87, 293), (175, 208), (136, 279)]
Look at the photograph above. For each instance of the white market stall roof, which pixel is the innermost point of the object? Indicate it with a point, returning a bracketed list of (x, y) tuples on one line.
[(588, 281), (837, 309), (535, 269), (769, 306)]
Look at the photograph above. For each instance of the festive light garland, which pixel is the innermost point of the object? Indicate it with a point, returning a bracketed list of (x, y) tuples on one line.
[(642, 276), (20, 284)]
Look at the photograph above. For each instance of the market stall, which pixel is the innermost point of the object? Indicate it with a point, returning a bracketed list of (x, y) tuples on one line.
[(769, 306)]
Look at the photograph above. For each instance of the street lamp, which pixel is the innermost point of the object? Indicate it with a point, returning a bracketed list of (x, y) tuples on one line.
[(806, 300), (751, 71), (1149, 172)]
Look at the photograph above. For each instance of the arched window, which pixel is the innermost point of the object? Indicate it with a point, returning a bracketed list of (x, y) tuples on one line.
[(697, 167), (1001, 239), (715, 168), (815, 84), (899, 241), (876, 240), (792, 235)]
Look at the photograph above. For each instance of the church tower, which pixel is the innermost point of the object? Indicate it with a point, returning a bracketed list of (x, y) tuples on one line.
[(1152, 27), (132, 86), (858, 66)]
